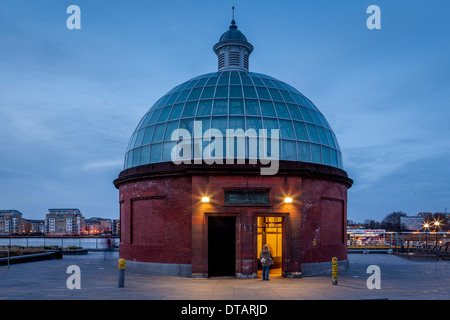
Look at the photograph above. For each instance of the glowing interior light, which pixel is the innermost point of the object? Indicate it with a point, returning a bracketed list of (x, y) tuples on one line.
[(205, 199)]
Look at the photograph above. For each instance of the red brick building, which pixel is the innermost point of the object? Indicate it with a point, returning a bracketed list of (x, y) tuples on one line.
[(207, 216)]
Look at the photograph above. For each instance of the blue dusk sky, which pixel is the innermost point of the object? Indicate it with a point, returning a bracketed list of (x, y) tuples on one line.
[(70, 99)]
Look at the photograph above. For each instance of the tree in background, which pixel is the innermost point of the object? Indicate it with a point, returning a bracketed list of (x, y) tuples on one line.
[(392, 221)]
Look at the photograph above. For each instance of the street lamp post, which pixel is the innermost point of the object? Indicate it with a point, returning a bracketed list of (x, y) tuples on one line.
[(436, 228), (426, 226)]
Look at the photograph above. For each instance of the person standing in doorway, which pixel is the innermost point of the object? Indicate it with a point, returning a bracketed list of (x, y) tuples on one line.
[(266, 261)]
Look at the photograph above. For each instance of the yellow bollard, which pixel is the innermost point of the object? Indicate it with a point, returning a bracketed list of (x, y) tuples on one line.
[(334, 270), (121, 272)]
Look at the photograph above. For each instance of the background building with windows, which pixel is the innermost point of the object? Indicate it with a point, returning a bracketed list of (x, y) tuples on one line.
[(201, 220), (64, 222), (11, 222)]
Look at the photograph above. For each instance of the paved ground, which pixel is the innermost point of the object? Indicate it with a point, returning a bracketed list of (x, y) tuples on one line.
[(400, 280)]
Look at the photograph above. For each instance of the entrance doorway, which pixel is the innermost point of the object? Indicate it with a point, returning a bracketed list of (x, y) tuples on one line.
[(221, 246), (270, 232)]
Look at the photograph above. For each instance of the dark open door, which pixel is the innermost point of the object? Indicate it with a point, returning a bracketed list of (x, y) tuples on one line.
[(221, 246)]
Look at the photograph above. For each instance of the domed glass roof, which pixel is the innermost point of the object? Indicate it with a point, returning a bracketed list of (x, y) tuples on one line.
[(235, 99), (233, 34)]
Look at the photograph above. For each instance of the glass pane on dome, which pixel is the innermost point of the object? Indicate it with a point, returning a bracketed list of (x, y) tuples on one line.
[(282, 111), (191, 84), (247, 81), (305, 114), (159, 132), (144, 157), (300, 131), (236, 91), (187, 124), (298, 100), (129, 159), (237, 123), (157, 103), (235, 80), (287, 97), (139, 138), (236, 106), (148, 116), (286, 130), (164, 113), (277, 84), (220, 106), (252, 107), (267, 108), (326, 156), (220, 123), (155, 116), (295, 113), (223, 80), (201, 82), (148, 135), (171, 127), (212, 81), (333, 157), (189, 109), (316, 155), (257, 81), (135, 157), (208, 92), (221, 92), (249, 92), (205, 123), (339, 160), (270, 124), (303, 151), (323, 120), (289, 150), (322, 136), (183, 96), (275, 94), (176, 111), (335, 140), (315, 117), (254, 123), (263, 93), (173, 98), (155, 153), (132, 140), (312, 132), (330, 139), (268, 83), (167, 150), (195, 93), (204, 108)]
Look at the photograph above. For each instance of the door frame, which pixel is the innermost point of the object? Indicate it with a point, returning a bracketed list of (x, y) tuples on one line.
[(207, 215), (285, 238)]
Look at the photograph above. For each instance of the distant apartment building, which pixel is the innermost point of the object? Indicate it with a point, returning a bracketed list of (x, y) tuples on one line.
[(34, 227), (64, 222), (11, 222), (99, 226)]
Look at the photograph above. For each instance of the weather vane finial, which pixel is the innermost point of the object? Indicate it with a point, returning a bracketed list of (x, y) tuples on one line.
[(233, 23)]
